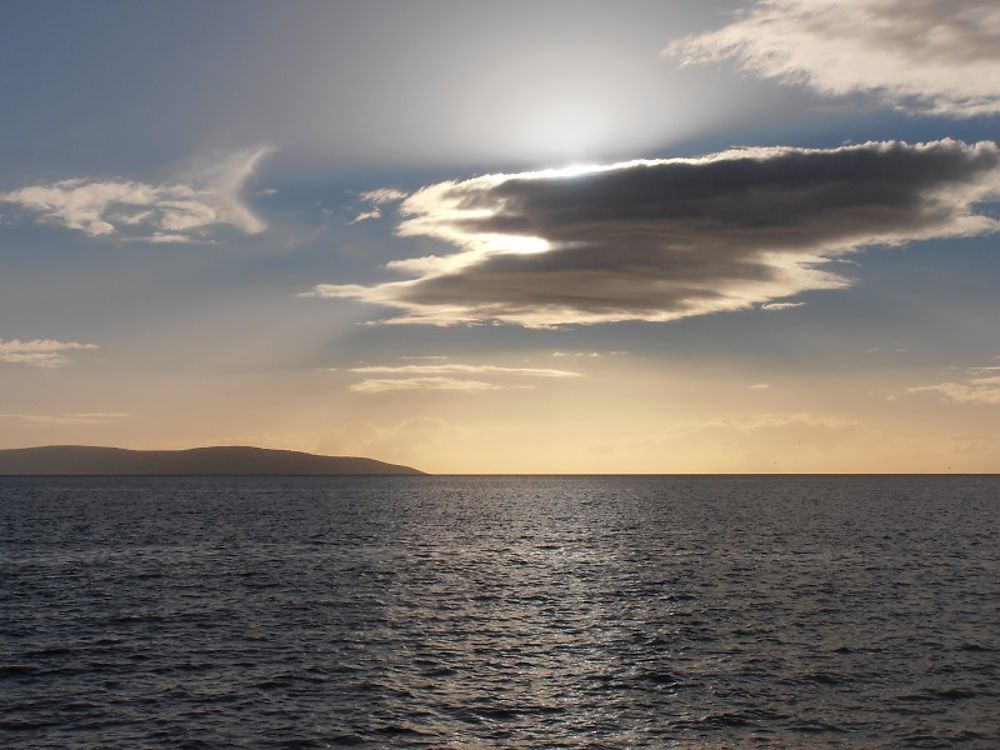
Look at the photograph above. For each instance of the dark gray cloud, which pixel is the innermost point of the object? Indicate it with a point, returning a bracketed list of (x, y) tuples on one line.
[(660, 240), (940, 56)]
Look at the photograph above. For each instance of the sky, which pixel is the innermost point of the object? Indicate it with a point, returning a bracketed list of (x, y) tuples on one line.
[(520, 237)]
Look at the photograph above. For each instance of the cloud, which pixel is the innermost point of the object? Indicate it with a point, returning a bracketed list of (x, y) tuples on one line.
[(375, 199), (776, 306), (441, 376), (375, 213), (929, 56), (381, 196), (448, 369), (760, 386), (658, 240), (592, 355), (39, 352), (980, 389), (175, 212), (423, 384), (82, 418)]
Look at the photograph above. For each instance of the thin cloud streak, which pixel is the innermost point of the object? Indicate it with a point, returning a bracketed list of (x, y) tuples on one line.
[(381, 196), (928, 56), (973, 390), (388, 385), (376, 199), (82, 418), (659, 240), (446, 369), (47, 353), (440, 376)]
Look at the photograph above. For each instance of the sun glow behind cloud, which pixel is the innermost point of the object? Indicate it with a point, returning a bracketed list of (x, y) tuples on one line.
[(658, 240)]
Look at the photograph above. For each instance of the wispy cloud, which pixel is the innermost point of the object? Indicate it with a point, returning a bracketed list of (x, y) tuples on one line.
[(81, 418), (781, 421), (375, 213), (387, 385), (979, 389), (923, 55), (451, 369), (760, 387), (381, 196), (776, 306), (659, 240), (376, 199), (39, 352), (176, 212), (591, 355), (450, 376)]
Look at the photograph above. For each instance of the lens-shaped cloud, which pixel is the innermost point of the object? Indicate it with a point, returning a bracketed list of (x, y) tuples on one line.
[(658, 240)]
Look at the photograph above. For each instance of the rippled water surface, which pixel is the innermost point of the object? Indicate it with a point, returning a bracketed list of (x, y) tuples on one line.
[(500, 612)]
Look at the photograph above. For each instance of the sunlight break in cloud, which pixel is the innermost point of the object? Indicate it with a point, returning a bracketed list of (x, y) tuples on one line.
[(936, 56), (658, 240), (129, 210), (40, 352)]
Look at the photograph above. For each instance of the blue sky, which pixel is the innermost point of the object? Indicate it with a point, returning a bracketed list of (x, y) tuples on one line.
[(237, 142)]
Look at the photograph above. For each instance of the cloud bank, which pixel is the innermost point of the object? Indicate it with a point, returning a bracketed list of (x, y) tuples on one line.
[(125, 209), (39, 352), (658, 240), (936, 56)]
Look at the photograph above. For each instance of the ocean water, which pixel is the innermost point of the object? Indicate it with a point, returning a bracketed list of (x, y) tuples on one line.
[(468, 612)]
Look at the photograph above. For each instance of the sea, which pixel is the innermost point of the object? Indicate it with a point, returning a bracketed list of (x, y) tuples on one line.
[(500, 612)]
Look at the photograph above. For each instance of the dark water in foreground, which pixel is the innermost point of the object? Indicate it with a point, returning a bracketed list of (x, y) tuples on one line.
[(500, 612)]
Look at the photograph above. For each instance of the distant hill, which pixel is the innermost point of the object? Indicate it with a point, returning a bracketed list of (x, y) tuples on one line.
[(222, 460)]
